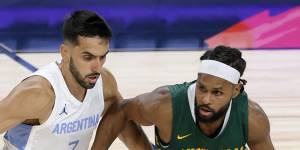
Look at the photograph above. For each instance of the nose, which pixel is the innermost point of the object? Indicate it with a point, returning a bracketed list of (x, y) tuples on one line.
[(97, 65), (206, 98)]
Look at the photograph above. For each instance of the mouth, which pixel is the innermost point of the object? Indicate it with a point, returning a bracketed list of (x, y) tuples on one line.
[(93, 79), (205, 112)]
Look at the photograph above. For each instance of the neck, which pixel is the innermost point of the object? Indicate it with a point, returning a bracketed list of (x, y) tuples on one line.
[(74, 87), (213, 128)]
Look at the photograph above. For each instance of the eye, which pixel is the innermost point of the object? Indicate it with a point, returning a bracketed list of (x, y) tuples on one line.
[(217, 93), (202, 88), (87, 57)]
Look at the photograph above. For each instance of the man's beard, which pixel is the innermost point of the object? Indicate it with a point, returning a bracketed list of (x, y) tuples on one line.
[(79, 78), (215, 115)]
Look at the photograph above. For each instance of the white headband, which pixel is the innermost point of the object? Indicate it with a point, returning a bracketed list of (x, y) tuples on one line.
[(220, 70)]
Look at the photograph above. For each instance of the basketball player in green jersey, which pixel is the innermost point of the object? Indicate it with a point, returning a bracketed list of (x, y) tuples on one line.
[(211, 113)]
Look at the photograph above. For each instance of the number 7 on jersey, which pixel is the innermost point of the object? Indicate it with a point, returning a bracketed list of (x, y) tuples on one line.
[(74, 144)]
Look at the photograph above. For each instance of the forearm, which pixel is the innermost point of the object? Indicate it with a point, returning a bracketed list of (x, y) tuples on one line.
[(119, 119), (134, 137), (112, 123)]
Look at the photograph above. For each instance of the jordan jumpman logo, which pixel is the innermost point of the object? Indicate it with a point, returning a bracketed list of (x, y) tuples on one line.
[(64, 110)]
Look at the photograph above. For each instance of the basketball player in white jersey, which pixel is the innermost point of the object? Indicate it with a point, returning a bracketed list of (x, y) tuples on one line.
[(59, 106)]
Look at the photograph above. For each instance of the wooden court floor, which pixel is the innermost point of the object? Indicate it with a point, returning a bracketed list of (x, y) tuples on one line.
[(273, 81)]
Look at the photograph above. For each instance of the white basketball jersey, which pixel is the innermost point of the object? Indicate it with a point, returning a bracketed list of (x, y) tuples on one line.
[(71, 123)]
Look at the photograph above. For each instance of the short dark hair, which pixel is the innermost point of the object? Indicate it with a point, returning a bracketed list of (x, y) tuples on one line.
[(229, 56), (85, 23)]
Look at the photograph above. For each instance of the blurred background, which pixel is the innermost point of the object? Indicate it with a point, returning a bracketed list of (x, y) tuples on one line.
[(158, 42), (35, 26)]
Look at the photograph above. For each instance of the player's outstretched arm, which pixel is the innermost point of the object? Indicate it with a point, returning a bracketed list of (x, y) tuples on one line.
[(258, 129), (146, 109)]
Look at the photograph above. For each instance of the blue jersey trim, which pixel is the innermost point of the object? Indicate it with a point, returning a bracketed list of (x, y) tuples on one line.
[(18, 136)]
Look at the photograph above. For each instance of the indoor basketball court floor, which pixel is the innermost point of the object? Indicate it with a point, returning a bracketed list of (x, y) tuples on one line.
[(273, 81)]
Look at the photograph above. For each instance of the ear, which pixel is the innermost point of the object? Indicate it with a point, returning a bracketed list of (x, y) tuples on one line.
[(65, 52), (236, 89)]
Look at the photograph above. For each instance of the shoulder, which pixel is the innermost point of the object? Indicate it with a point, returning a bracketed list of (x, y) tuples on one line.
[(34, 94), (34, 86), (109, 82), (106, 74), (108, 78), (256, 114), (156, 106), (156, 97), (258, 122), (179, 89)]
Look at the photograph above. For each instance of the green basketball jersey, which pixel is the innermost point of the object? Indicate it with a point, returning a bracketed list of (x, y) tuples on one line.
[(187, 136)]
